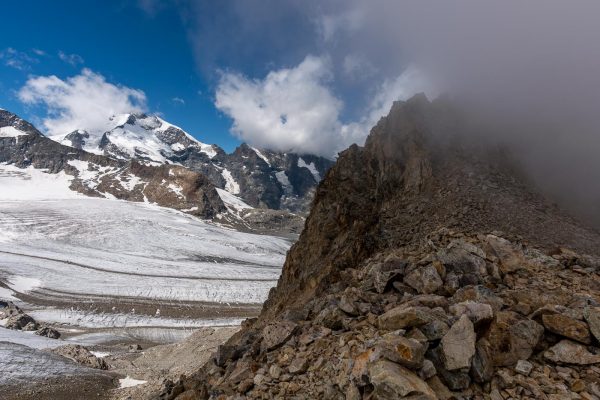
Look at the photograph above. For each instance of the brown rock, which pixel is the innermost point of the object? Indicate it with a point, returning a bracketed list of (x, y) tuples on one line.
[(401, 350), (404, 317), (80, 355), (392, 381), (568, 327), (512, 338)]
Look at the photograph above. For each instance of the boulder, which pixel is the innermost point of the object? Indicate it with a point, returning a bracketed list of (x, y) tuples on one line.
[(511, 259), (478, 294), (80, 355), (458, 345), (478, 313), (568, 327), (404, 317), (407, 352), (276, 334), (20, 321), (455, 380), (331, 317), (569, 352), (592, 316), (48, 332), (392, 381), (424, 280), (512, 338), (435, 330)]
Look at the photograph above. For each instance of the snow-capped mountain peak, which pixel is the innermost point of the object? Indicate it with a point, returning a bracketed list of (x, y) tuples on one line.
[(140, 136)]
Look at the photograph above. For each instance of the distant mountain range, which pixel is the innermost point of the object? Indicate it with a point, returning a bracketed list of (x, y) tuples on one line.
[(261, 178), (144, 158)]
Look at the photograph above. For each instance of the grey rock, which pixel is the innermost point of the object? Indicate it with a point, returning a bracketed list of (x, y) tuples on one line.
[(458, 345), (569, 352), (455, 380), (425, 280), (48, 332), (276, 334), (427, 370), (523, 367), (478, 313), (435, 330), (592, 316), (482, 366)]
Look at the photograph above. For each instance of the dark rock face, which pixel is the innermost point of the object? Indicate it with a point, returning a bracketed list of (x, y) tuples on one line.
[(271, 180), (167, 185), (422, 242)]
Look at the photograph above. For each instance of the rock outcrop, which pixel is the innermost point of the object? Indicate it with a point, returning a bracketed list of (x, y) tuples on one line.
[(427, 268)]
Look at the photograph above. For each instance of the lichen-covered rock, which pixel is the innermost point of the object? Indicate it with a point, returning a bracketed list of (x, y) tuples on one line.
[(568, 327)]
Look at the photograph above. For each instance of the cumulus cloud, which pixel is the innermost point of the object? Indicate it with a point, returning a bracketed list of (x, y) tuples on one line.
[(294, 109), (73, 59), (84, 101)]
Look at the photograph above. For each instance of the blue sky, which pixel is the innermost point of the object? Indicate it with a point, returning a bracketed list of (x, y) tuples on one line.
[(123, 43), (286, 75)]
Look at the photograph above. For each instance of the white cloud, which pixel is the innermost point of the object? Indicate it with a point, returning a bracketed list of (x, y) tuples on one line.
[(84, 101), (17, 59), (178, 100), (73, 59), (295, 110), (290, 110)]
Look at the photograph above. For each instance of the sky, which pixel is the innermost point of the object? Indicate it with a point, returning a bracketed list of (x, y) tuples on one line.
[(269, 73)]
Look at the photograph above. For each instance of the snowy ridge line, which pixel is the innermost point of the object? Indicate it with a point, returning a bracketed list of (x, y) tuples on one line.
[(200, 278)]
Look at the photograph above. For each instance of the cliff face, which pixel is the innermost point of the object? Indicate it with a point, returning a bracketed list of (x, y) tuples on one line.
[(428, 267), (418, 171)]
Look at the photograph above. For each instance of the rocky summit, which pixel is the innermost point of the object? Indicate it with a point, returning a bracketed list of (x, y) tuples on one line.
[(428, 268)]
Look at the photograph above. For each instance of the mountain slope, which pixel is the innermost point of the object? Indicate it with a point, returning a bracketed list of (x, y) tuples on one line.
[(172, 186), (429, 268), (262, 178)]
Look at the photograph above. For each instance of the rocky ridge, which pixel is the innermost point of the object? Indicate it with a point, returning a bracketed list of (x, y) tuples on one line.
[(429, 268)]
